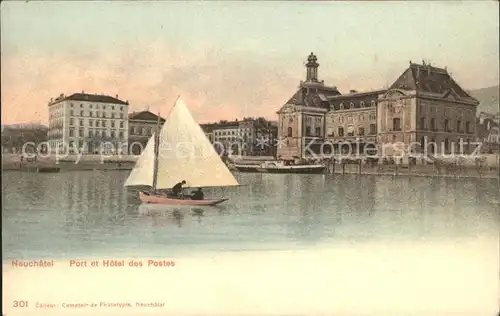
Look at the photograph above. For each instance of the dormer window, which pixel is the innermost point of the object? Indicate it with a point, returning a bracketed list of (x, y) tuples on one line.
[(362, 104), (373, 103), (351, 105), (341, 105)]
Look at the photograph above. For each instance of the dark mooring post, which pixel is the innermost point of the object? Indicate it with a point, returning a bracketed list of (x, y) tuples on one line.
[(343, 167), (359, 166)]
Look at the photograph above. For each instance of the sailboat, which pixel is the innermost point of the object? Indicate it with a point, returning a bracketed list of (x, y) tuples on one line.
[(179, 151)]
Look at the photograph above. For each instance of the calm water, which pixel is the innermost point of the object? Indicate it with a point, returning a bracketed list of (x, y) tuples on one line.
[(91, 214)]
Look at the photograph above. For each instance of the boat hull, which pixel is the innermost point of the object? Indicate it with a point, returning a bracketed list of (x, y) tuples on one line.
[(246, 168), (160, 199), (304, 170)]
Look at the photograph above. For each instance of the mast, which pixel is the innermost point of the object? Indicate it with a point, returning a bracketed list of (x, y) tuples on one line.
[(156, 151)]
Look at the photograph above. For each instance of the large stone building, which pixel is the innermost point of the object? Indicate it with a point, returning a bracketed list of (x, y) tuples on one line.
[(88, 122), (423, 105), (142, 125), (426, 107), (301, 121), (351, 122)]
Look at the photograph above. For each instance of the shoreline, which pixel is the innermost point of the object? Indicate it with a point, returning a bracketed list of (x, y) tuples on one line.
[(382, 170)]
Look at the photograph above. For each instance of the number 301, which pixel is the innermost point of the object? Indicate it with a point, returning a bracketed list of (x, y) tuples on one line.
[(20, 303)]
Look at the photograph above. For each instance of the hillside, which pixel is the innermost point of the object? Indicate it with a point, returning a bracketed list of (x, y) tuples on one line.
[(488, 98)]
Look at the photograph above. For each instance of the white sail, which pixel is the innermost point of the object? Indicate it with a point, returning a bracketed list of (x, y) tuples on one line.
[(142, 174), (185, 153)]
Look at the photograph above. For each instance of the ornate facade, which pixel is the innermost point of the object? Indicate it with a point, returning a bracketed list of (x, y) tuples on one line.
[(302, 119), (423, 105), (427, 108)]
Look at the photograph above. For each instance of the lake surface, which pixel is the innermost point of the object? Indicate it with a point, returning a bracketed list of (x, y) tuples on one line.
[(91, 213), (430, 244)]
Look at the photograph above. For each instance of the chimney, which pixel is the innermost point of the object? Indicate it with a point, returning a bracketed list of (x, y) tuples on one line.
[(83, 92), (353, 91), (117, 96)]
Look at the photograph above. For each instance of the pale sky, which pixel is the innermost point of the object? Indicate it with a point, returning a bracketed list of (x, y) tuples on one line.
[(231, 59)]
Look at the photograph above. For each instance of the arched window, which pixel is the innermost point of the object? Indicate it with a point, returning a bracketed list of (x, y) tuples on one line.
[(362, 104), (341, 105), (373, 103), (289, 132), (432, 146), (433, 124), (351, 105)]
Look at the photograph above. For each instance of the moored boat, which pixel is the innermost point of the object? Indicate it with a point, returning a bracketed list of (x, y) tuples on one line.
[(282, 167), (246, 168)]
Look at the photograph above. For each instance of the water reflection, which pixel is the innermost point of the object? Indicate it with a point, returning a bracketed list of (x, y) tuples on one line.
[(92, 211)]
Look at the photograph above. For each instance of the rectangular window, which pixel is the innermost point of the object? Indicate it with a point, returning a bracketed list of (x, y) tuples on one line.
[(361, 131), (81, 122), (341, 131), (81, 132), (113, 124), (373, 129), (350, 130), (396, 124), (71, 121)]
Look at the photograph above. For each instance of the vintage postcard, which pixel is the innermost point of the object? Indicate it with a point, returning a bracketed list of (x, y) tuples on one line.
[(250, 158)]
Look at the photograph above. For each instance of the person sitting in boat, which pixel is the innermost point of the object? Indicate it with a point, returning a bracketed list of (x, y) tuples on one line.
[(177, 189), (197, 195)]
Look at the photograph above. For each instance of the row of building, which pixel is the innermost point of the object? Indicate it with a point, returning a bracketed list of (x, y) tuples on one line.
[(91, 123), (423, 106)]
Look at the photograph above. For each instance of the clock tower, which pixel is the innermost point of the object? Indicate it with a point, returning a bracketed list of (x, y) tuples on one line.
[(312, 68)]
